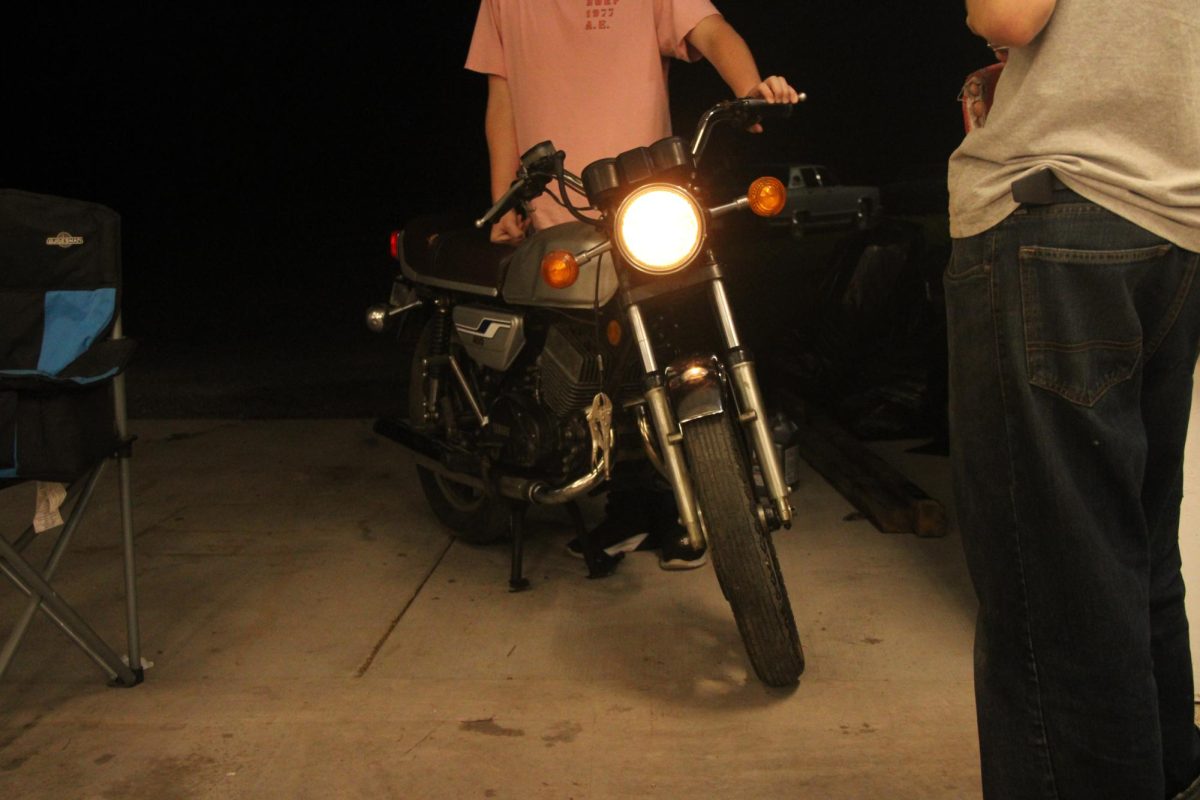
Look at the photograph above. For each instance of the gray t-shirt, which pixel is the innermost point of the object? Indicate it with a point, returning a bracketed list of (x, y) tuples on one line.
[(1108, 96)]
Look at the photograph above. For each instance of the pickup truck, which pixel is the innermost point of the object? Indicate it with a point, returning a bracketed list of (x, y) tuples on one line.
[(816, 200)]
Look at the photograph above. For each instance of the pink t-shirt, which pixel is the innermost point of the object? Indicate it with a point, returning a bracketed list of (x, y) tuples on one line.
[(589, 75)]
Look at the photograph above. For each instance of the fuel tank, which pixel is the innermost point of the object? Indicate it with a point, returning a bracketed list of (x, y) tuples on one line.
[(523, 284)]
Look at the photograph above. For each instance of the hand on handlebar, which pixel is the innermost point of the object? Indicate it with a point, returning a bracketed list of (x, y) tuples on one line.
[(774, 89), (510, 228)]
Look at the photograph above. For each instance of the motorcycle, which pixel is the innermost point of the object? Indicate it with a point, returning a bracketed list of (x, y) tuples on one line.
[(538, 368)]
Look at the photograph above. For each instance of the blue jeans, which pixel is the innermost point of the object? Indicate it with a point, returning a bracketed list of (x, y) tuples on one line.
[(1073, 336)]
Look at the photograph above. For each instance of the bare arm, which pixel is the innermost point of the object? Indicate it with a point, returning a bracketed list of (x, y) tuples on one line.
[(717, 41), (501, 135), (1008, 23)]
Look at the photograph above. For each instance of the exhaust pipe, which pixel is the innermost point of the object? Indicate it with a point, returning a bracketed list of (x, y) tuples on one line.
[(427, 452), (545, 495)]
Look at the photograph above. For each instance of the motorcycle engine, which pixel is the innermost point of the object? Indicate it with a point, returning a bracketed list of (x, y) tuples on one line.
[(525, 434), (540, 425), (569, 370)]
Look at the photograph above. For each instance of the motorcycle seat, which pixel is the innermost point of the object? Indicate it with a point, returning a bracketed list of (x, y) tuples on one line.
[(450, 254)]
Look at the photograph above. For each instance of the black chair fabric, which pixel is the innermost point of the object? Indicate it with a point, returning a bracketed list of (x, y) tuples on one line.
[(60, 294)]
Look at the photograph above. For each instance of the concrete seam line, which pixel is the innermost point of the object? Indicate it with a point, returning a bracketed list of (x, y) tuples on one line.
[(366, 665)]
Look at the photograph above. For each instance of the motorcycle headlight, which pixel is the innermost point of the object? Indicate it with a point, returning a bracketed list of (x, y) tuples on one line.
[(659, 228)]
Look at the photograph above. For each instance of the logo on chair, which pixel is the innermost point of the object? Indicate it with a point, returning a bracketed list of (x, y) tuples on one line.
[(64, 240)]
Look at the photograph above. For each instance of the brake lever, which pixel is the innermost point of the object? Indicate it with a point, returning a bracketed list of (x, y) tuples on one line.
[(535, 172), (506, 201)]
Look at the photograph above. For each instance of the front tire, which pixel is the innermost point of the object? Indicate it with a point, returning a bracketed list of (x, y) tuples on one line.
[(743, 554), (474, 517)]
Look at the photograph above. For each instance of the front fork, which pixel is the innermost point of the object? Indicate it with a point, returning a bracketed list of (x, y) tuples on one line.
[(753, 409), (670, 440), (749, 401)]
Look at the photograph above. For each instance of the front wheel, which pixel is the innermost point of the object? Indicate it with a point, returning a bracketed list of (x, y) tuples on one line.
[(742, 552)]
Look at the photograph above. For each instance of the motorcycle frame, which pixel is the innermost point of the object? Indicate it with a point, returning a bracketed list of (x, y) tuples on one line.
[(738, 363)]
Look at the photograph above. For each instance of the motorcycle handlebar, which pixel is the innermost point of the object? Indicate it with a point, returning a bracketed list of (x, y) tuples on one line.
[(506, 201), (746, 111), (539, 164), (757, 108)]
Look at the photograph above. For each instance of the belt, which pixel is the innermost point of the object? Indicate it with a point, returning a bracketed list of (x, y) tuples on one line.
[(1038, 188)]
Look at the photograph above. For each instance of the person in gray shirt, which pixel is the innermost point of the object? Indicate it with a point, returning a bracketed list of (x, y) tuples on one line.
[(1073, 307)]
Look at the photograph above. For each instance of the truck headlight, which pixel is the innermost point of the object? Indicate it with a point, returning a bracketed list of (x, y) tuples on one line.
[(659, 228)]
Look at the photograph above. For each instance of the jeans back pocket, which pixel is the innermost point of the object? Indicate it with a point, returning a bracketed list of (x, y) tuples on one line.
[(1083, 334)]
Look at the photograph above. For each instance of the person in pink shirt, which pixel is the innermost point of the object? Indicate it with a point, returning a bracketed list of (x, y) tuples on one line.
[(591, 76)]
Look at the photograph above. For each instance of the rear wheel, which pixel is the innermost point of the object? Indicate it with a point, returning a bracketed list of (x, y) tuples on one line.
[(470, 513), (742, 552)]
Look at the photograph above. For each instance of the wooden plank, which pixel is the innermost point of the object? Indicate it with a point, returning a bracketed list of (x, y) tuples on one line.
[(893, 503)]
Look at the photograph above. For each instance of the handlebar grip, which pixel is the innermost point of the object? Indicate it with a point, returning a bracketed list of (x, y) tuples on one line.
[(754, 108)]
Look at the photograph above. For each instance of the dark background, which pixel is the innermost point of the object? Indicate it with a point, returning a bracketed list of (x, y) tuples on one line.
[(260, 155)]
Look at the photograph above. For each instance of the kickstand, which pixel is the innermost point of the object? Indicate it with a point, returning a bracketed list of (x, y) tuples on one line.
[(599, 563), (517, 582)]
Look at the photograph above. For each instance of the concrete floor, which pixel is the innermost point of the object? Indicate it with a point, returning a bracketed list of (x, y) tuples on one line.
[(314, 633)]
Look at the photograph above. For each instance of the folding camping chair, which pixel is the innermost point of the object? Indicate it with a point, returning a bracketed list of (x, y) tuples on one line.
[(62, 396)]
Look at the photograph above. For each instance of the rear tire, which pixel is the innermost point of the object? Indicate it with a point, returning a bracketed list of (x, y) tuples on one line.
[(474, 517), (743, 554)]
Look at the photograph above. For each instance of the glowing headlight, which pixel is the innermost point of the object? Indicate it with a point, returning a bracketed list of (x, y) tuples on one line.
[(659, 228)]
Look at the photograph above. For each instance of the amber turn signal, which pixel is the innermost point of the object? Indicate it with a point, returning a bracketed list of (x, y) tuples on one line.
[(559, 269), (767, 196)]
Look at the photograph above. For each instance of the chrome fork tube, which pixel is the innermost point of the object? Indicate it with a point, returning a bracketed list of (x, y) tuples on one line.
[(745, 386), (725, 315), (753, 409), (642, 337), (670, 440)]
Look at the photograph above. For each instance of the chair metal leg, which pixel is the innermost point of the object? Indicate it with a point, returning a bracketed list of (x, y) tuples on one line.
[(28, 578), (29, 534), (131, 609), (57, 620), (60, 547), (123, 455), (24, 540)]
